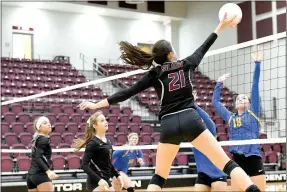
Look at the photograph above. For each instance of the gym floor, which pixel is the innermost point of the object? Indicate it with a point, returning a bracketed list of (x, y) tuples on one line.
[(274, 186)]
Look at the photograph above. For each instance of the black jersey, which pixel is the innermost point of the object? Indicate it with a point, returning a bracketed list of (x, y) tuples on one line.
[(171, 80), (97, 160), (41, 155)]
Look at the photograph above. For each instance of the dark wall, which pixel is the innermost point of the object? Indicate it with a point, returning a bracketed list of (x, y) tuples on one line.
[(263, 27)]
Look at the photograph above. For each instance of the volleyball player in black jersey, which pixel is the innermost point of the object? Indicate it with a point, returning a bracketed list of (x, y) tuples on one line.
[(39, 175), (97, 159), (179, 120)]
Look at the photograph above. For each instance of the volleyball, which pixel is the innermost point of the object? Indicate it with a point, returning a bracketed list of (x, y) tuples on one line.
[(232, 10)]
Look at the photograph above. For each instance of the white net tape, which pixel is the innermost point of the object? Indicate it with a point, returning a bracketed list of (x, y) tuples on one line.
[(182, 145)]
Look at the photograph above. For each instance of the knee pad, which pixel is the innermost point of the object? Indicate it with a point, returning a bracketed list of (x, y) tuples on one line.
[(229, 167), (252, 188), (157, 180), (130, 189)]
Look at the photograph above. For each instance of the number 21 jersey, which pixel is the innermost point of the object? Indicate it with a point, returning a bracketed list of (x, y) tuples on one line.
[(174, 87), (171, 80)]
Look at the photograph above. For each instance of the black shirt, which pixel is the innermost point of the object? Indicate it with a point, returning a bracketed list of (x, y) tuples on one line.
[(97, 160), (171, 80), (41, 155)]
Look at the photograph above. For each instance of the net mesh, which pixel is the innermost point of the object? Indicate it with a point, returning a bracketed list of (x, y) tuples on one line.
[(54, 88), (272, 83)]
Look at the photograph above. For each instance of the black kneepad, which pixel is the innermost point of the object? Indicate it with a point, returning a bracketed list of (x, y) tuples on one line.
[(229, 167), (157, 180), (252, 188), (130, 189)]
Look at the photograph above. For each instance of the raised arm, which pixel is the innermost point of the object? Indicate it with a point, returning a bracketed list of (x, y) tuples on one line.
[(255, 98), (194, 59), (207, 120), (219, 107), (144, 83)]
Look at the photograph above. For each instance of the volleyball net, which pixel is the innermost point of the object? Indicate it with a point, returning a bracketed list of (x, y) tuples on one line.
[(30, 89)]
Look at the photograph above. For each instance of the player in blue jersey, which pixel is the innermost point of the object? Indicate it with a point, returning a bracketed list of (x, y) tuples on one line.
[(122, 159), (244, 125), (209, 178)]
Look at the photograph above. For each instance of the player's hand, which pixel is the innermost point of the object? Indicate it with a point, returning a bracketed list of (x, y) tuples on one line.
[(140, 161), (87, 105), (225, 22), (118, 181), (52, 175), (223, 77), (257, 56), (103, 185)]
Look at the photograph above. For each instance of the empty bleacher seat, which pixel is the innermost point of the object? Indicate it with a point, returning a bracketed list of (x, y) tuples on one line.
[(6, 164), (23, 163), (58, 162), (73, 161)]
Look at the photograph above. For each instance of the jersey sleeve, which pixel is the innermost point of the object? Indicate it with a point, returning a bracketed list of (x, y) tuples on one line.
[(219, 107), (194, 60), (142, 84), (40, 148), (140, 154), (118, 154), (90, 149), (255, 98), (207, 120)]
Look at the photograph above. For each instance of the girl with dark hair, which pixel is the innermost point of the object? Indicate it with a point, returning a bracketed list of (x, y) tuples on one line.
[(97, 159), (39, 175), (171, 79)]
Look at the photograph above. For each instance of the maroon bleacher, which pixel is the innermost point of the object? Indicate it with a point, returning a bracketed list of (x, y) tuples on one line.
[(25, 77)]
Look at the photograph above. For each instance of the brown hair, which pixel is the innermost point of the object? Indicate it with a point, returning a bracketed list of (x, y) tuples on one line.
[(133, 55), (89, 132)]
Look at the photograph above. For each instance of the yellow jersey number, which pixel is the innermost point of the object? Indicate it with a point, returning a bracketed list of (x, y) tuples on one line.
[(237, 122)]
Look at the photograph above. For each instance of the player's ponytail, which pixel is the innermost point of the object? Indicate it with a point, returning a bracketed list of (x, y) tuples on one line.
[(90, 131), (133, 55)]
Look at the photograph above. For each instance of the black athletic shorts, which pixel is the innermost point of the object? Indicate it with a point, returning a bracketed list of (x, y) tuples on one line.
[(185, 125), (252, 165), (204, 179), (91, 185), (36, 179)]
